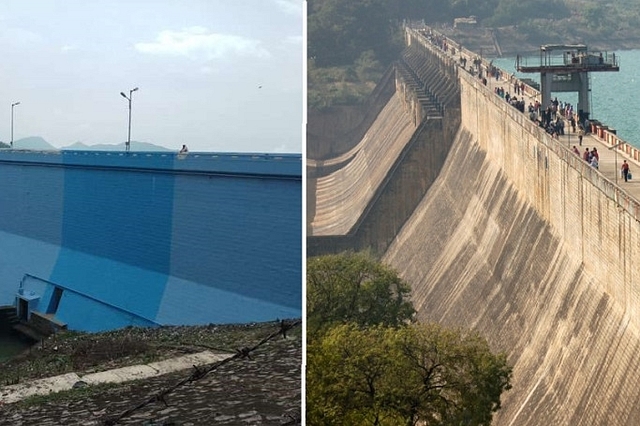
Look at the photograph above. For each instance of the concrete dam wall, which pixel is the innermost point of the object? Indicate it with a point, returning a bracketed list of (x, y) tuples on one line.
[(338, 129), (102, 240), (360, 199), (523, 241), (478, 255), (520, 239)]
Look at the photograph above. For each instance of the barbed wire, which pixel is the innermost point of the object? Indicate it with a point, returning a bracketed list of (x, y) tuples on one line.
[(200, 372)]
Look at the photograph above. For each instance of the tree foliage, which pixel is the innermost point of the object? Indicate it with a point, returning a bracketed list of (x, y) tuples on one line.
[(369, 364), (513, 12), (339, 30), (481, 9), (419, 374), (354, 288)]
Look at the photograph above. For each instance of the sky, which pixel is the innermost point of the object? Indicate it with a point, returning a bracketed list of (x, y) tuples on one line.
[(216, 75)]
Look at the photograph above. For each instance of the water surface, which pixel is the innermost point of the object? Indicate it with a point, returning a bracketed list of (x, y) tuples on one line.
[(11, 344), (615, 96)]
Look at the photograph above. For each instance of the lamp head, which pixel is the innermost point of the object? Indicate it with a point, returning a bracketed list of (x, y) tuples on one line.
[(122, 93), (134, 89)]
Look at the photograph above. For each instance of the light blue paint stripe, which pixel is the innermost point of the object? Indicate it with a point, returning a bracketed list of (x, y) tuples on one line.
[(20, 255), (114, 283), (183, 304), (85, 315)]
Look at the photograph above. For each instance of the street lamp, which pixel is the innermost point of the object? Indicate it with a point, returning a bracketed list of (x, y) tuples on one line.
[(128, 145), (615, 172), (12, 105)]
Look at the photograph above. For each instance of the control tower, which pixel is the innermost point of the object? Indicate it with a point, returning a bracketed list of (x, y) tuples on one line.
[(565, 68)]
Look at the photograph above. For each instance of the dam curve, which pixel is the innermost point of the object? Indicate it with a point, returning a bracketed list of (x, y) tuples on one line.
[(520, 239)]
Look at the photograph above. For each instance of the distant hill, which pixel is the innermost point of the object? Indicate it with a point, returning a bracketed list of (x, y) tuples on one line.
[(135, 146), (39, 144), (33, 142)]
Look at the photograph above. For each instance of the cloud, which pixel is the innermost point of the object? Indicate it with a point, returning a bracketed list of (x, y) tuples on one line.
[(294, 40), (67, 48), (20, 37), (292, 7), (199, 43)]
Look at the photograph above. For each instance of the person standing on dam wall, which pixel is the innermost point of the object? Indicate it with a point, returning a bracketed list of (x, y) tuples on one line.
[(581, 134), (625, 170)]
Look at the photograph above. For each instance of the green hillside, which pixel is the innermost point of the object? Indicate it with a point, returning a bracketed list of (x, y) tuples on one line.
[(351, 42)]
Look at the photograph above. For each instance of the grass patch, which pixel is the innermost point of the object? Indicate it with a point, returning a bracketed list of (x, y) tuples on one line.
[(66, 396), (85, 353)]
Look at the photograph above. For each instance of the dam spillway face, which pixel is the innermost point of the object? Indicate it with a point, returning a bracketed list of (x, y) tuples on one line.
[(513, 237), (359, 199), (102, 240)]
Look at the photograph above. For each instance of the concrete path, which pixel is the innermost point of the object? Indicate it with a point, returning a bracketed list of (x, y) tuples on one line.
[(14, 393), (610, 161), (610, 158)]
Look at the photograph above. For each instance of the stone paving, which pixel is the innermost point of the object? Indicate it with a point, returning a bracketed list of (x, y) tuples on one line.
[(15, 393), (264, 389)]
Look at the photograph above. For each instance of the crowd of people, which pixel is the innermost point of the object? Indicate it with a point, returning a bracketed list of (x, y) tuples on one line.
[(592, 157), (552, 118)]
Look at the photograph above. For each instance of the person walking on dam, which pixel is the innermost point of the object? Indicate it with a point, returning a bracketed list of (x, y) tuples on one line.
[(625, 170), (580, 135)]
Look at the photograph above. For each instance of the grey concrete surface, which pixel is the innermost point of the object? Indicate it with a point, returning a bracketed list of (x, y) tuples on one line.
[(264, 389)]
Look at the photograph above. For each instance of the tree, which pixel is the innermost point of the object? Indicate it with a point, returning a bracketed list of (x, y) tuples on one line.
[(369, 364), (354, 287), (450, 376), (348, 377), (417, 374), (479, 8), (338, 31), (512, 12)]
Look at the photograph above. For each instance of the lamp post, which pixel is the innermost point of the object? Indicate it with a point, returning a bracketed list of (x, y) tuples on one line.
[(128, 144), (615, 148), (12, 105)]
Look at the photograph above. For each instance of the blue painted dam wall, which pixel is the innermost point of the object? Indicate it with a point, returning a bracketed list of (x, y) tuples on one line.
[(102, 240)]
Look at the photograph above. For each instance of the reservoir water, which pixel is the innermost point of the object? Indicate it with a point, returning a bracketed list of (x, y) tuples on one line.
[(11, 344), (614, 95)]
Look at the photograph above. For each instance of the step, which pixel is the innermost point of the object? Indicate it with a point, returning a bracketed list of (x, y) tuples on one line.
[(29, 332)]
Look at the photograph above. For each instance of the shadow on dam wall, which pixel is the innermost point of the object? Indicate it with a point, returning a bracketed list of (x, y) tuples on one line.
[(477, 255), (361, 199), (522, 242), (336, 130)]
